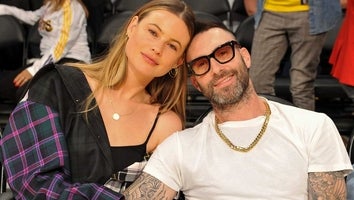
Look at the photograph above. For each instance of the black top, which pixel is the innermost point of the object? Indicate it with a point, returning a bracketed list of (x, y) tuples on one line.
[(124, 156)]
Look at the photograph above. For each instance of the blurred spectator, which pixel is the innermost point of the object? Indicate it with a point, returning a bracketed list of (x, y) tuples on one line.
[(250, 7), (343, 52), (343, 65), (240, 10), (302, 25), (62, 25)]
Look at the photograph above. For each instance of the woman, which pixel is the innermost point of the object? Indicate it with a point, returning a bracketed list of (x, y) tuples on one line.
[(342, 54), (343, 65), (62, 26), (89, 128)]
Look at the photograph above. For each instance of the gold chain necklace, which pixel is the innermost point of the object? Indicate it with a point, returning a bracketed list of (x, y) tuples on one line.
[(255, 141)]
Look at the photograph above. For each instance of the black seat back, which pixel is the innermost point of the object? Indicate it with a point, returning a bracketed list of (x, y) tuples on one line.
[(219, 8), (12, 43), (244, 33)]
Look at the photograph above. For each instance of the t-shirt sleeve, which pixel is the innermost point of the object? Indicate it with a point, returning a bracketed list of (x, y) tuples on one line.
[(164, 163), (327, 151)]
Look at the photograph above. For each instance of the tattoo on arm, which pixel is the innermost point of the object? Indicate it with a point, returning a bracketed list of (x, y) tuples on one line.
[(147, 187), (327, 185)]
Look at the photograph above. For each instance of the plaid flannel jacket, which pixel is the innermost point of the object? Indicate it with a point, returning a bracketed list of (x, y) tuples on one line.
[(35, 151)]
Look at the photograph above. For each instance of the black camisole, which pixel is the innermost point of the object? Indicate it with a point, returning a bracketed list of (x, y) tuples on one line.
[(124, 156)]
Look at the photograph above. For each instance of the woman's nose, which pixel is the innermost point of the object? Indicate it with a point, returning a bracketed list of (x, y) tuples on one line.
[(157, 48)]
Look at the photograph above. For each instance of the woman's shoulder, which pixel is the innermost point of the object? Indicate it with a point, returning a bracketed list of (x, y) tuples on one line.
[(55, 79), (170, 120), (54, 71), (168, 123)]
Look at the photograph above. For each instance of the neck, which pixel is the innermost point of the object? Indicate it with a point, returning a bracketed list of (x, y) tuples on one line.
[(248, 108), (137, 95)]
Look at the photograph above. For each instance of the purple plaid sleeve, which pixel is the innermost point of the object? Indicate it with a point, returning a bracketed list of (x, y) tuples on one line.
[(35, 157)]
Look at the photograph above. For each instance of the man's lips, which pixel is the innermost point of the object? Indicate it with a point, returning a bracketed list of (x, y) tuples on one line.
[(223, 81), (149, 59)]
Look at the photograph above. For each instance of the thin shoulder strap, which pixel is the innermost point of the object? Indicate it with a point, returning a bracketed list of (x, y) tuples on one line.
[(152, 128)]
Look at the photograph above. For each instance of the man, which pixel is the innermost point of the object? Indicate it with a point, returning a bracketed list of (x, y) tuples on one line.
[(248, 147), (300, 24)]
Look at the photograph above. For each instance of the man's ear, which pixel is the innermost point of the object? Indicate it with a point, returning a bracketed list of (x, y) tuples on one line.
[(195, 83), (246, 56)]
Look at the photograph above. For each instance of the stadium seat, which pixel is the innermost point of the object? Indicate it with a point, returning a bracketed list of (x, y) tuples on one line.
[(219, 8), (127, 5), (110, 28), (12, 43)]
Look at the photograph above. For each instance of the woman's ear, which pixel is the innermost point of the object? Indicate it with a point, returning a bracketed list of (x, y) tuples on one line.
[(132, 24), (180, 62), (246, 56)]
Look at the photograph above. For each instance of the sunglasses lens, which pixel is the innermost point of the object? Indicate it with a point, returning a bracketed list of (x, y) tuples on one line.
[(200, 65), (224, 54)]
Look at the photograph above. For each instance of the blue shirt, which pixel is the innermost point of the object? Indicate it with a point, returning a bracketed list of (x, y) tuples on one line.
[(323, 15), (350, 186)]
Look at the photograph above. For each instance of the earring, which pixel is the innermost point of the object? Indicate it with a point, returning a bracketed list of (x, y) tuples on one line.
[(173, 72)]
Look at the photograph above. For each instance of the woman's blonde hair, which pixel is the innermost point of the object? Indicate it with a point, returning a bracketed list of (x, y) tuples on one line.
[(111, 70)]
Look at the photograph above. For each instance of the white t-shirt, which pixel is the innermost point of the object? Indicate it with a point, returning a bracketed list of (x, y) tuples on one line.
[(296, 142)]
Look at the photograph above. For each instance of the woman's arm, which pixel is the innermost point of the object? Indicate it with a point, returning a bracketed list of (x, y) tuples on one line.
[(36, 160), (28, 17)]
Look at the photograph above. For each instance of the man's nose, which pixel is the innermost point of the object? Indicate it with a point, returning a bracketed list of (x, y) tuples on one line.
[(215, 66)]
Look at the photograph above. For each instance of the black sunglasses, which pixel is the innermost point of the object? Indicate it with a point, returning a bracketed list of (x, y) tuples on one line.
[(223, 54)]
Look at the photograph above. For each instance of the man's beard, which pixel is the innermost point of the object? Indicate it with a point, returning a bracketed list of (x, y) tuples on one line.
[(230, 95)]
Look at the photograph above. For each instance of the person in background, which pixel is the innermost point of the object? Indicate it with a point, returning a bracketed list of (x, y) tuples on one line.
[(240, 10), (343, 64), (62, 26), (247, 141), (300, 24), (250, 7), (85, 131), (343, 53)]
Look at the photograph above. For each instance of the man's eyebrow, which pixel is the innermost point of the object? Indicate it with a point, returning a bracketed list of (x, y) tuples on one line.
[(174, 40)]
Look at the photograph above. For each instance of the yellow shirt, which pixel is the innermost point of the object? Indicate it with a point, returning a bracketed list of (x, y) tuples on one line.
[(285, 5)]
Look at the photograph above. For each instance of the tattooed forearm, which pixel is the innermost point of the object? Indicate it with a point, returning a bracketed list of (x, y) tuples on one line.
[(147, 187), (327, 185)]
